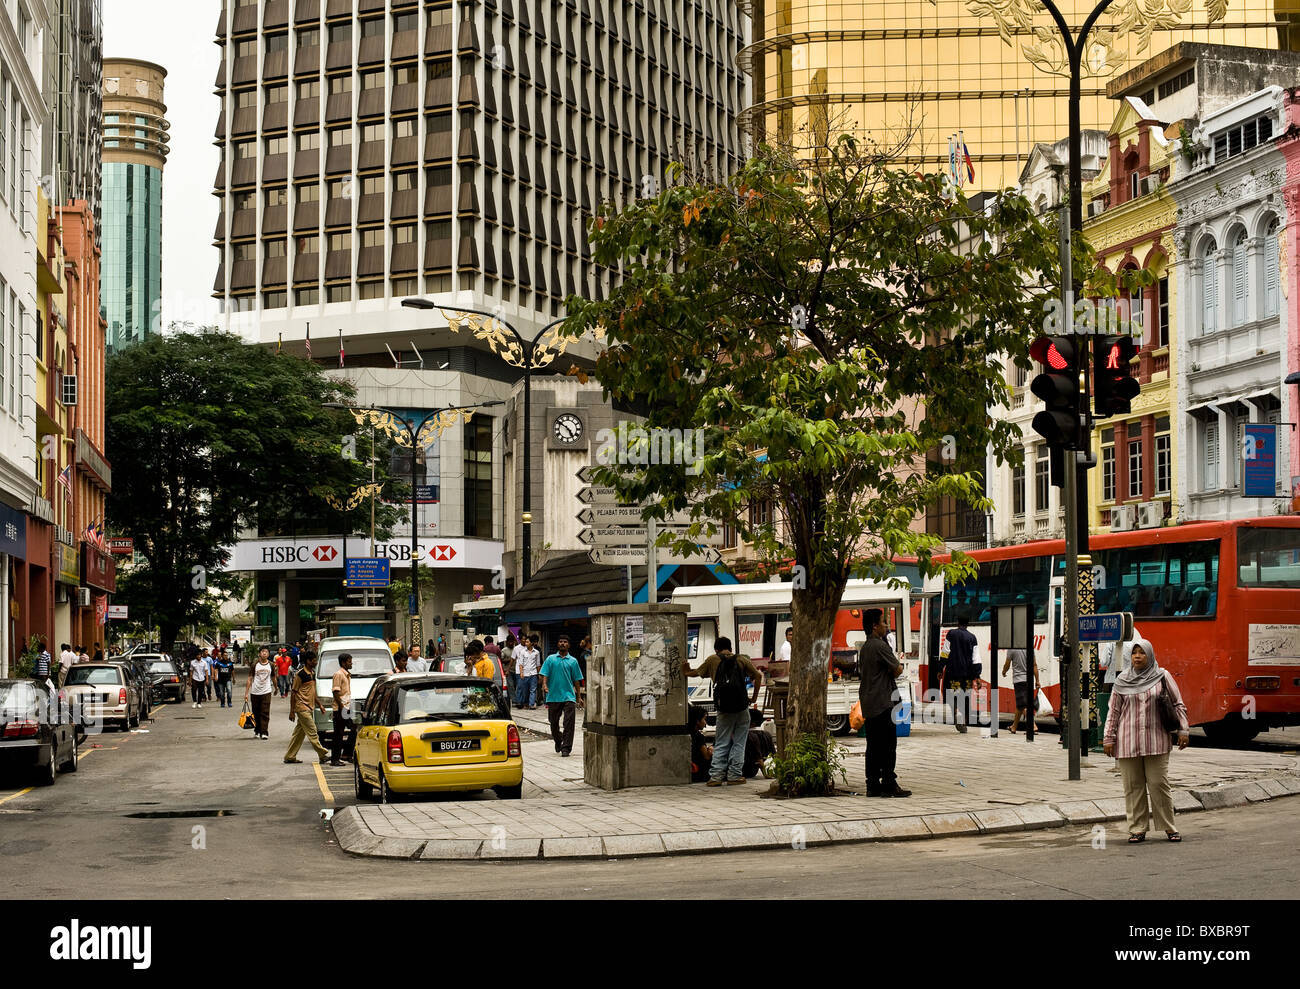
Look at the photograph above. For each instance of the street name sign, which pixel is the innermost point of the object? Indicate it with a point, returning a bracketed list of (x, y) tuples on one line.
[(1115, 626)]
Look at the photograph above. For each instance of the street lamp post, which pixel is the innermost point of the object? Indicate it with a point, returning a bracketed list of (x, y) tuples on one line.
[(520, 352), (414, 434)]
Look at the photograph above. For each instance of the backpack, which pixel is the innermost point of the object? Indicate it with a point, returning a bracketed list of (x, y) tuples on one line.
[(729, 691)]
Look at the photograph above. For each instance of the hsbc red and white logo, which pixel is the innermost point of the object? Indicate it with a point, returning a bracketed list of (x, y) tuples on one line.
[(324, 554), (443, 552)]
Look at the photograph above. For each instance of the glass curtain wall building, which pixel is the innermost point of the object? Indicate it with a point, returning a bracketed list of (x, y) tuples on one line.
[(135, 150), (925, 69)]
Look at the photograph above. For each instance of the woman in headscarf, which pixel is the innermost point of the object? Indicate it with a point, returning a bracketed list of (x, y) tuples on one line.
[(1139, 741)]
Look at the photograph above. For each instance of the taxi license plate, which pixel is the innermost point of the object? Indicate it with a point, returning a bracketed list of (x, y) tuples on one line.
[(457, 745)]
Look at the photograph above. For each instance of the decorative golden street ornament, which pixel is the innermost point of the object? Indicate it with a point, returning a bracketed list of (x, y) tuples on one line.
[(1028, 24), (355, 499), (400, 432)]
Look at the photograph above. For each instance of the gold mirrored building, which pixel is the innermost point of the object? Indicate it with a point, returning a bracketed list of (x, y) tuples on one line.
[(992, 69)]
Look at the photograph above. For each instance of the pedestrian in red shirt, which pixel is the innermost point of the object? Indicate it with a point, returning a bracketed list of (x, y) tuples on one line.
[(283, 663)]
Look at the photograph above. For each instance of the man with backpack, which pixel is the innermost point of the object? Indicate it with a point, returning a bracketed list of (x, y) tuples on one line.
[(732, 700)]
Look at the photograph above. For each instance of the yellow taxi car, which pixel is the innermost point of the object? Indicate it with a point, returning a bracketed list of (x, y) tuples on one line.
[(435, 732)]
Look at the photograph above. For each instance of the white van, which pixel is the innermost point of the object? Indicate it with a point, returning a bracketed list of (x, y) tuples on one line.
[(371, 659)]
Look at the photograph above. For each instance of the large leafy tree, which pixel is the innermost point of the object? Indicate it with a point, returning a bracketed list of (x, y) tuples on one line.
[(208, 435), (828, 323)]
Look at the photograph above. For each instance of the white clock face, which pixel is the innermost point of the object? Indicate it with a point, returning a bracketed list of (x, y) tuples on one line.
[(568, 428)]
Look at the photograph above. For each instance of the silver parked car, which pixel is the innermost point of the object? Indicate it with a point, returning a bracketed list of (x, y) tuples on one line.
[(103, 693)]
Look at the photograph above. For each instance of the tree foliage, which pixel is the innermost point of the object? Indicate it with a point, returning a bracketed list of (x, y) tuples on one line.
[(832, 325), (209, 435)]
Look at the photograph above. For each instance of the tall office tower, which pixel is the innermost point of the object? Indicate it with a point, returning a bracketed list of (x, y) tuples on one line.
[(374, 151), (73, 70), (880, 67), (135, 150)]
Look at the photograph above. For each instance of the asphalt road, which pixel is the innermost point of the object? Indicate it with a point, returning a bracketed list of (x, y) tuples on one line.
[(195, 808)]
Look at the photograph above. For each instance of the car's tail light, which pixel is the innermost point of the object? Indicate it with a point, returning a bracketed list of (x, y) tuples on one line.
[(512, 741), (395, 746), (121, 696), (22, 729), (176, 679)]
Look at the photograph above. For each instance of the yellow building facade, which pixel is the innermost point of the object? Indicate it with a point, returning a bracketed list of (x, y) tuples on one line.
[(1130, 223), (924, 69)]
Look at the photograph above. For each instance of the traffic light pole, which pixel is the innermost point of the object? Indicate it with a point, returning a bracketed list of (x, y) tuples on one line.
[(1074, 480)]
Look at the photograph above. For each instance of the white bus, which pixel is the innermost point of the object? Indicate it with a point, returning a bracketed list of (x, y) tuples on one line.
[(755, 616)]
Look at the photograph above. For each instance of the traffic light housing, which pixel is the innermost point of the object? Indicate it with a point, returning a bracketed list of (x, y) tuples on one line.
[(1114, 387), (1058, 387)]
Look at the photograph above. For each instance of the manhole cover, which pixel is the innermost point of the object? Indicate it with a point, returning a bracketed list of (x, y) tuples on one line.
[(181, 813)]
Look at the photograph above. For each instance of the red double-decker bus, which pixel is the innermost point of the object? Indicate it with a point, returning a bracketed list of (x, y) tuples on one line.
[(1219, 601)]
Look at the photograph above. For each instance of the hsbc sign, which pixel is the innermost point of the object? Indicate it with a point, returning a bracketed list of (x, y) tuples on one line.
[(327, 554)]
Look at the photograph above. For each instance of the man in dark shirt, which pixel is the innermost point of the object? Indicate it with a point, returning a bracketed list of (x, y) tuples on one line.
[(960, 673), (877, 695)]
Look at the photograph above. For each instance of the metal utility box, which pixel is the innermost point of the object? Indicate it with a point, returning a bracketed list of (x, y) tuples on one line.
[(635, 731)]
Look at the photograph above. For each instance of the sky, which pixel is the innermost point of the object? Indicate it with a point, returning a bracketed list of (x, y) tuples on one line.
[(179, 36)]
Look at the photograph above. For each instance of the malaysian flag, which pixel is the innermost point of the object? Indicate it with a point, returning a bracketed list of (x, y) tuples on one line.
[(65, 481), (340, 348), (309, 341)]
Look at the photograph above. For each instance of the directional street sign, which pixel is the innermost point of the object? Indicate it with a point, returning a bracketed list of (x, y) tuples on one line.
[(601, 515), (633, 536), (598, 495), (1116, 626), (635, 556), (367, 571), (587, 475)]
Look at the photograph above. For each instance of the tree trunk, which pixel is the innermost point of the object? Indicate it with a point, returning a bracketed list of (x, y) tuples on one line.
[(812, 612)]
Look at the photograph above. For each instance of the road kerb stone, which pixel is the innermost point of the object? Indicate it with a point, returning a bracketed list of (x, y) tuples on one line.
[(1080, 811), (398, 848), (1255, 792), (1039, 816), (1273, 788), (846, 831), (998, 819), (573, 848), (451, 848), (687, 842), (511, 848), (1113, 807), (1292, 783), (1232, 795), (1185, 802), (950, 824), (902, 828), (815, 834), (734, 838), (630, 845)]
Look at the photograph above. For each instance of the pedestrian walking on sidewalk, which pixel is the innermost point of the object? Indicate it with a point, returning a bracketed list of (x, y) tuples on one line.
[(303, 704), (66, 658), (488, 666), (508, 664), (878, 695), (198, 678), (341, 687), (960, 671), (44, 662), (728, 672), (400, 661), (528, 663), (259, 690), (1135, 735), (415, 663), (283, 662), (562, 680), (1026, 696), (225, 673)]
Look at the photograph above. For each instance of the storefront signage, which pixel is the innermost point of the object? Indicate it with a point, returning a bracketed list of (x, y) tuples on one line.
[(67, 562), (1259, 453), (98, 569), (13, 532)]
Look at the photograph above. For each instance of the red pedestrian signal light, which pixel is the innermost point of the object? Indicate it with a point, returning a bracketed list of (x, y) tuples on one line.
[(1114, 387), (1058, 387)]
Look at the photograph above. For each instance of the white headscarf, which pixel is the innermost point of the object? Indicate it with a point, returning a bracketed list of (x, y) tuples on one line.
[(1132, 681)]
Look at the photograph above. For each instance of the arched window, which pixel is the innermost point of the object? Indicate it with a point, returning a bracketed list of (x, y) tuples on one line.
[(1209, 287), (1240, 281), (1269, 276)]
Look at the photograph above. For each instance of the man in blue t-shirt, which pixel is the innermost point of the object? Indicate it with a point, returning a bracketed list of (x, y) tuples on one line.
[(562, 682)]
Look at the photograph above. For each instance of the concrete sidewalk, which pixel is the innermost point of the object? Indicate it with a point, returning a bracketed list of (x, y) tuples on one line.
[(961, 784)]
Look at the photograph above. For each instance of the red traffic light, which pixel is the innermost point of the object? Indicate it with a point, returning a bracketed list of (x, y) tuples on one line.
[(1114, 388), (1054, 352)]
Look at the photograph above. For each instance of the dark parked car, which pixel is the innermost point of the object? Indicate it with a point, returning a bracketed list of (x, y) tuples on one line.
[(37, 732), (140, 677), (164, 674)]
